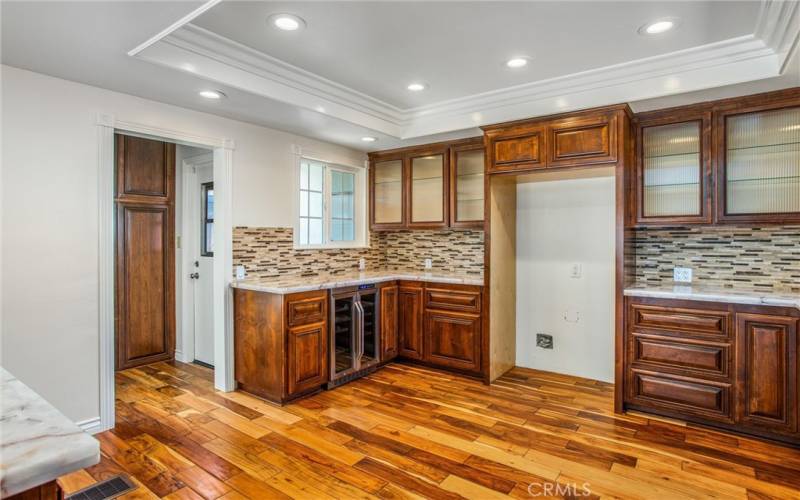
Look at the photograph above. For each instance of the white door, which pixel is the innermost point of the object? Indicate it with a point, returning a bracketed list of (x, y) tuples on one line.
[(203, 266)]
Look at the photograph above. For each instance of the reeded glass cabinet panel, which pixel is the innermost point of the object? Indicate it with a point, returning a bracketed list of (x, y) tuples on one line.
[(762, 162), (427, 188), (468, 179), (672, 170), (388, 180)]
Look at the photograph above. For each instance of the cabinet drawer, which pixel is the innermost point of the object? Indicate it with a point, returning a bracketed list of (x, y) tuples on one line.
[(305, 310), (453, 300), (687, 396), (680, 321), (703, 358)]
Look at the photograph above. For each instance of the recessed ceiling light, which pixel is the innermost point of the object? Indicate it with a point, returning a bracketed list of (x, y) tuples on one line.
[(658, 26), (211, 94), (287, 22), (369, 139), (517, 62), (416, 86)]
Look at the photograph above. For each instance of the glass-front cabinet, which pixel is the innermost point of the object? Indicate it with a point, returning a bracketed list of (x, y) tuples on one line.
[(388, 193), (428, 190), (466, 186), (673, 169), (759, 178)]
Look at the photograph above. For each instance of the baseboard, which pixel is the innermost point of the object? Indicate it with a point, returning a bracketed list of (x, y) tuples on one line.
[(180, 357), (91, 425)]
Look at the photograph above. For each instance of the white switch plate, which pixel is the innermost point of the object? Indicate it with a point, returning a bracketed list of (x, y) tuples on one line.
[(362, 264), (575, 270), (682, 274), (428, 263)]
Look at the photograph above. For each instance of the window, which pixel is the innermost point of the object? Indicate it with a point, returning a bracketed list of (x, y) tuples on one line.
[(207, 220), (331, 212)]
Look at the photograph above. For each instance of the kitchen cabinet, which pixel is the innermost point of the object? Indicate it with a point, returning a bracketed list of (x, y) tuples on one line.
[(758, 161), (673, 167), (409, 319), (467, 185), (432, 186), (389, 321), (388, 193), (280, 343), (767, 372), (731, 161), (727, 365), (580, 139), (427, 189), (453, 340)]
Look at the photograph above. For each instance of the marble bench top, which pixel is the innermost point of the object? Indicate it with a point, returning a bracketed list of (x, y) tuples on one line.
[(712, 294), (294, 284), (37, 442)]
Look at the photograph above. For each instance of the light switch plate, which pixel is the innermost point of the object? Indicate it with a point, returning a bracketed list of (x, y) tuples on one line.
[(240, 272), (362, 264), (682, 274), (428, 263)]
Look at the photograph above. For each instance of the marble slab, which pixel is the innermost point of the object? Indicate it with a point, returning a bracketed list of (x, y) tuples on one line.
[(713, 294), (37, 442), (296, 284)]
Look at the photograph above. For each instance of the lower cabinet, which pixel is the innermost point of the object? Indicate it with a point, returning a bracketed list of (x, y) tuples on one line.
[(767, 372), (729, 365), (389, 319), (453, 340), (409, 319), (280, 343)]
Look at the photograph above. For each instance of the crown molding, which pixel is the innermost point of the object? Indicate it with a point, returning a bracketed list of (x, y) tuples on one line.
[(760, 55)]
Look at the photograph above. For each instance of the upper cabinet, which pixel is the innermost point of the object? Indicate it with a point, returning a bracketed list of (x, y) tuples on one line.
[(730, 161), (673, 169), (428, 187), (759, 163), (580, 139), (466, 185)]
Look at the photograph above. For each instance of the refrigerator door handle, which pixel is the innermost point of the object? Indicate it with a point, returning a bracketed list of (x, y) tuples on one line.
[(359, 344)]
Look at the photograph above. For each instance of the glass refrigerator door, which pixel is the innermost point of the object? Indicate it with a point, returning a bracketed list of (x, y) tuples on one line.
[(344, 332), (369, 306)]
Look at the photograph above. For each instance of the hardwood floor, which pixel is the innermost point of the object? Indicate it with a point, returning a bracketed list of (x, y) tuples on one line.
[(410, 432)]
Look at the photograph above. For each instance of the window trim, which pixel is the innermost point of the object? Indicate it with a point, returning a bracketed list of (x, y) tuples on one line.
[(360, 204)]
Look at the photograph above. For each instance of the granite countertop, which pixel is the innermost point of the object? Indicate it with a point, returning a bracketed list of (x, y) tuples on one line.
[(294, 284), (714, 294), (37, 442)]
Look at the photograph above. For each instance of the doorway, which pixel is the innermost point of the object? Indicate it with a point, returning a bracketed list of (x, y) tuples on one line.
[(196, 335)]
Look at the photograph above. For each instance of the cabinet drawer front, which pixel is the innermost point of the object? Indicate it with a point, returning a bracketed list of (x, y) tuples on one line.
[(687, 396), (440, 298), (582, 142), (710, 359), (306, 311), (674, 320)]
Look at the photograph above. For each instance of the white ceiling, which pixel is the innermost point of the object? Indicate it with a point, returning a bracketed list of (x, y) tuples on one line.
[(355, 58)]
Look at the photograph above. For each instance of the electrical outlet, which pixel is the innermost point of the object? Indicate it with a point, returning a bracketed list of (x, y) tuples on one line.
[(362, 264), (428, 263), (576, 270), (682, 274), (240, 272), (544, 341)]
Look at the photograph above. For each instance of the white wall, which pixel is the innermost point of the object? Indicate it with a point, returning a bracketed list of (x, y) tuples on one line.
[(561, 223), (50, 220)]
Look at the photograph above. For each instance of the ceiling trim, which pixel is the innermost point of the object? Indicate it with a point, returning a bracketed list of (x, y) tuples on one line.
[(174, 26), (746, 58)]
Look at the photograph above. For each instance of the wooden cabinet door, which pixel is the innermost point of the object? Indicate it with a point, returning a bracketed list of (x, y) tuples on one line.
[(767, 372), (387, 192), (582, 141), (307, 357), (410, 321), (427, 189), (517, 149), (467, 165), (388, 315), (453, 340), (145, 255)]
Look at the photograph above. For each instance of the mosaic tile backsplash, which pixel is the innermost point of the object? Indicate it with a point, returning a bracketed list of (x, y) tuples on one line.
[(268, 252), (745, 258)]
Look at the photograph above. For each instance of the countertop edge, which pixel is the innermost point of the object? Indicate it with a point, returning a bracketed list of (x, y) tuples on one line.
[(245, 285), (733, 297), (54, 471)]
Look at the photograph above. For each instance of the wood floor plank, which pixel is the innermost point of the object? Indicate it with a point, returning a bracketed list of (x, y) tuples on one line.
[(408, 432)]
